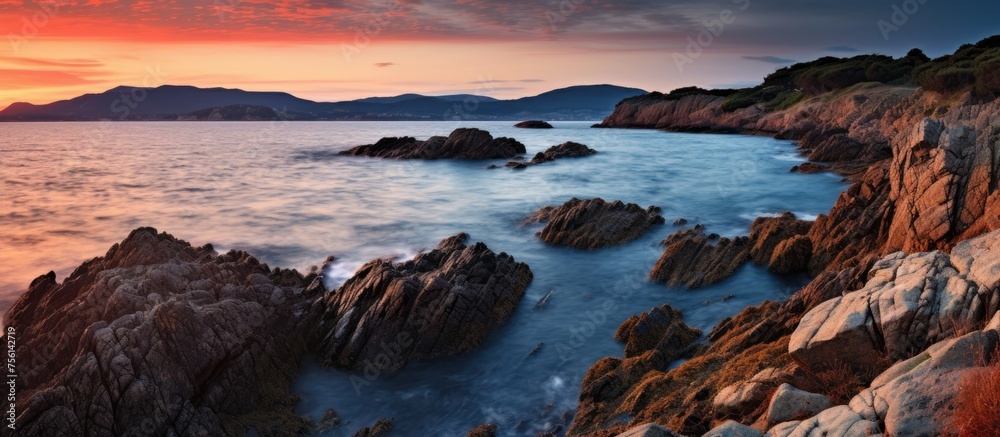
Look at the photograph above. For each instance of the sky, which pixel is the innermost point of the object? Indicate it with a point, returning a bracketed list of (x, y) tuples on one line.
[(331, 50)]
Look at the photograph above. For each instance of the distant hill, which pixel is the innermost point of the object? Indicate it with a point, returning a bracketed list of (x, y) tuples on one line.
[(173, 102)]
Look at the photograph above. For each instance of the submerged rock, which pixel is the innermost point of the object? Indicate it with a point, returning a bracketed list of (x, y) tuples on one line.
[(443, 302), (594, 223), (564, 150), (161, 338), (533, 124), (463, 144), (487, 430)]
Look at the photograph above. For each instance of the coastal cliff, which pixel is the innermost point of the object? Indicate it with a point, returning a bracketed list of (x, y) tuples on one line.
[(925, 169)]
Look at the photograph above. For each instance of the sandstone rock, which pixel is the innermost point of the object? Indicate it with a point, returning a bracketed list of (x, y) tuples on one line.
[(767, 233), (594, 223), (790, 403), (910, 302), (791, 255), (161, 338), (733, 429), (533, 124), (463, 144), (649, 430), (443, 302), (745, 398), (487, 430), (661, 329), (690, 259)]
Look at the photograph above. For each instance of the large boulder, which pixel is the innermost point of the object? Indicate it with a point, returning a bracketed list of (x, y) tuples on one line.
[(463, 144), (161, 338), (789, 403), (911, 398), (909, 303), (442, 302), (780, 243), (594, 223)]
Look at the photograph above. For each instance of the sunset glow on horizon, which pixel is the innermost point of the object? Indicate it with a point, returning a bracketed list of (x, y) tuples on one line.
[(331, 50)]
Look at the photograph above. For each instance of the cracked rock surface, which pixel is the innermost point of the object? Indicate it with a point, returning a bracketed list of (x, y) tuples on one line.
[(160, 338), (595, 223), (443, 302)]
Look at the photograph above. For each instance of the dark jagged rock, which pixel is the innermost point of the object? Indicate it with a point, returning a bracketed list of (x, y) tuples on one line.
[(380, 429), (661, 329), (330, 420), (487, 430), (161, 338), (463, 144), (808, 168), (564, 150), (442, 302), (594, 223), (691, 259), (680, 222), (533, 124), (767, 233)]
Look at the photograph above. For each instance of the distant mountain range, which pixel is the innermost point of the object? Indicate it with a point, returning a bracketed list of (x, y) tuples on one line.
[(173, 102)]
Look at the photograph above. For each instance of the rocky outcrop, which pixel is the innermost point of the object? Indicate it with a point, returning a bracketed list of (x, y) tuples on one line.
[(487, 430), (897, 201), (441, 303), (911, 398), (463, 144), (910, 302), (379, 429), (594, 223), (533, 124), (564, 150), (661, 329), (693, 259), (161, 338), (648, 430)]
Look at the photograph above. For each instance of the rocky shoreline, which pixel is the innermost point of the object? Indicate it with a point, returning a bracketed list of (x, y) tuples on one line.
[(924, 180)]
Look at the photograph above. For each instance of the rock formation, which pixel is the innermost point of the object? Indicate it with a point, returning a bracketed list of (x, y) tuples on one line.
[(919, 184), (441, 303), (693, 259), (594, 223), (533, 124), (564, 150), (161, 338), (463, 144), (661, 329)]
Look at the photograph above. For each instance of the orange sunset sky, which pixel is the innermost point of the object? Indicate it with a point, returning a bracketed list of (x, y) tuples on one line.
[(338, 50)]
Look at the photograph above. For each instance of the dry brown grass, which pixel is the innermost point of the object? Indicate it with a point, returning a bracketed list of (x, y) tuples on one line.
[(840, 382), (977, 409)]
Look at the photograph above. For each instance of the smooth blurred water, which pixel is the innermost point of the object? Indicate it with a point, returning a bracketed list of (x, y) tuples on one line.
[(68, 191)]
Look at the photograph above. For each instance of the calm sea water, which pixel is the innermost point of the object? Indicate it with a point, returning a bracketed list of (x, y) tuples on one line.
[(279, 191)]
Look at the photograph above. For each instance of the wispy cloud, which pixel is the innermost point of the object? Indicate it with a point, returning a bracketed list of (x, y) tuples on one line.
[(384, 64)]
